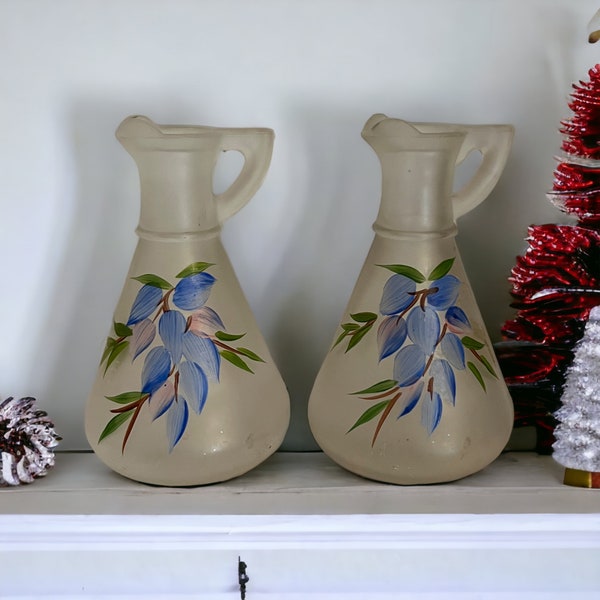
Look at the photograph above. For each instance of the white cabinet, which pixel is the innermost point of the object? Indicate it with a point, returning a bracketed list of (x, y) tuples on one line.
[(303, 526)]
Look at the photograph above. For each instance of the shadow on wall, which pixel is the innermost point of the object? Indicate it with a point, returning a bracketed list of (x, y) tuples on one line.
[(492, 235), (100, 244), (335, 187), (92, 269)]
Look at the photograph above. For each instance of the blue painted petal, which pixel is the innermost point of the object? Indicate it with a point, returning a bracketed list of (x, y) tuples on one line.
[(145, 302), (423, 328), (398, 293), (390, 336), (177, 419), (431, 412), (446, 292), (193, 291), (143, 334), (203, 352), (457, 320), (156, 369), (161, 400), (171, 328), (453, 350), (410, 397), (193, 385), (444, 381), (409, 365)]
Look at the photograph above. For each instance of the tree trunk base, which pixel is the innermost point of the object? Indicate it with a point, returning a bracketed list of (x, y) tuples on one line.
[(586, 479)]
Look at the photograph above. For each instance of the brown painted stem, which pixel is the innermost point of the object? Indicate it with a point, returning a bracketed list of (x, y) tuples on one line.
[(130, 426), (384, 416)]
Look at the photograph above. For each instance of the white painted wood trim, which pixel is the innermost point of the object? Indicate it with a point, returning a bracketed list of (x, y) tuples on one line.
[(305, 527)]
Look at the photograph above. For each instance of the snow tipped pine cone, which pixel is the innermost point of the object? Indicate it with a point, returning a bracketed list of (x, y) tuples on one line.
[(27, 437)]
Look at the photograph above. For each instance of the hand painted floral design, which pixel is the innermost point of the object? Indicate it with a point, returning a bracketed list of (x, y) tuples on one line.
[(175, 375), (426, 333)]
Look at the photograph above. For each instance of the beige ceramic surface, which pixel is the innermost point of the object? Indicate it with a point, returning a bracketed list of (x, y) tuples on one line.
[(416, 227), (245, 415)]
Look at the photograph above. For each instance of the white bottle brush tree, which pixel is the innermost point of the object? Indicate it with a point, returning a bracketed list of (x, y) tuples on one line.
[(577, 443)]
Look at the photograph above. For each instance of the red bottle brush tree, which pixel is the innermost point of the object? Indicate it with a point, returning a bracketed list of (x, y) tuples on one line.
[(556, 282)]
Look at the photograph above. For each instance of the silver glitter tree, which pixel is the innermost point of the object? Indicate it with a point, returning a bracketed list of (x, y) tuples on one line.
[(577, 445), (27, 437)]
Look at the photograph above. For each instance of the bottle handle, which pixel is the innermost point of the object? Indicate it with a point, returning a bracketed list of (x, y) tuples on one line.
[(494, 142), (256, 146)]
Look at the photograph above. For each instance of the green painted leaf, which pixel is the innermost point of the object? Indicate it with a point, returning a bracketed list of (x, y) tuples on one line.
[(234, 359), (339, 339), (154, 281), (251, 355), (193, 269), (228, 337), (486, 363), (477, 374), (110, 344), (407, 271), (350, 326), (471, 344), (122, 330), (442, 269), (126, 398), (115, 423), (114, 353), (382, 386), (358, 335), (369, 414), (364, 317)]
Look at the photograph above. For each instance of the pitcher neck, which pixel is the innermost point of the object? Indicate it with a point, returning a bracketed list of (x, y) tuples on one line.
[(416, 193), (176, 193)]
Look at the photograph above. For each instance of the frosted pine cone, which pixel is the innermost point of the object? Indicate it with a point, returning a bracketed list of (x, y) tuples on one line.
[(26, 439)]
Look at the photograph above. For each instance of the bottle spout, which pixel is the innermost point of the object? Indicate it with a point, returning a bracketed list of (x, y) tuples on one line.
[(137, 126), (380, 125), (138, 133), (372, 122)]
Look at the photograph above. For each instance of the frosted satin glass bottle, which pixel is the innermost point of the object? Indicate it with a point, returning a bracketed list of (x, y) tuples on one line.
[(186, 392), (411, 392)]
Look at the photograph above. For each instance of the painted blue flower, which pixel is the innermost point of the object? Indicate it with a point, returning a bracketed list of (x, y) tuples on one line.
[(444, 292), (177, 419), (142, 335), (193, 385), (203, 352), (145, 302), (425, 313), (398, 293), (161, 400), (431, 411), (409, 365), (423, 327), (410, 397), (391, 335), (444, 381), (156, 369), (192, 292), (453, 350), (457, 320), (205, 322), (171, 328)]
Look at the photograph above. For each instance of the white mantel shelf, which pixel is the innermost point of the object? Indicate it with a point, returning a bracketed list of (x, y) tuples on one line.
[(302, 484), (304, 526)]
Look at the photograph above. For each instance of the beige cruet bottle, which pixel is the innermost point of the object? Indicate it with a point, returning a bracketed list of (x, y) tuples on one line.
[(186, 392), (411, 392)]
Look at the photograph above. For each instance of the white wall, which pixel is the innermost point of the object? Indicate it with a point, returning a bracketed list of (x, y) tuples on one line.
[(314, 71)]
